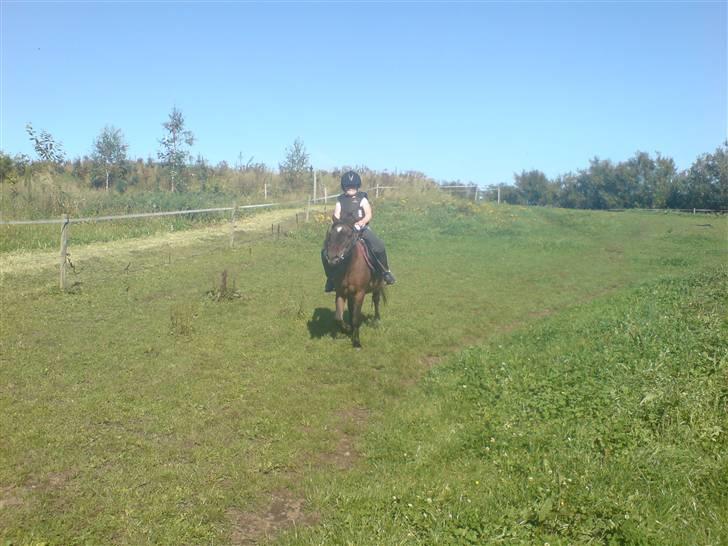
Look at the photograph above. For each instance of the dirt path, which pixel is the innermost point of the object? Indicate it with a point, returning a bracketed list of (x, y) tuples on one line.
[(29, 261)]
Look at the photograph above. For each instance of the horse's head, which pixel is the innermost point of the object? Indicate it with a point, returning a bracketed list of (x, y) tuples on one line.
[(340, 239)]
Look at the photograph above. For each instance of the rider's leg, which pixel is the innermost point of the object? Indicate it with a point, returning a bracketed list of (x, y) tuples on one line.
[(380, 254)]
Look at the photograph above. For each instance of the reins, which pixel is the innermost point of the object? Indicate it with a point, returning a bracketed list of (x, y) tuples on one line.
[(346, 254)]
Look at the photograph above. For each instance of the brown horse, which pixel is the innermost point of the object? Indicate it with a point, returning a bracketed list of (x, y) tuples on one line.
[(353, 279)]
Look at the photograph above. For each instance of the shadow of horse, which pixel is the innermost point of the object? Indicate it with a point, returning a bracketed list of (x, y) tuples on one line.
[(323, 323)]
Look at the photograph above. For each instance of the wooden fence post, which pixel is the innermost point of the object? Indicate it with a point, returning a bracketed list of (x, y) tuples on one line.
[(314, 183), (64, 250), (308, 208), (326, 198), (377, 193), (232, 225)]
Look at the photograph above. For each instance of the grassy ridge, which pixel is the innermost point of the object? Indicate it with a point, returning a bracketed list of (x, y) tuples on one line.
[(605, 425), (140, 409)]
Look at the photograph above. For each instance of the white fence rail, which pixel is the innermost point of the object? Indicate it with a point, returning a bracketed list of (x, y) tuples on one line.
[(67, 219), (138, 215), (694, 210)]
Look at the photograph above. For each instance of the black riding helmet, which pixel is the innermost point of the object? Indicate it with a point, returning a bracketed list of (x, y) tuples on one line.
[(350, 180)]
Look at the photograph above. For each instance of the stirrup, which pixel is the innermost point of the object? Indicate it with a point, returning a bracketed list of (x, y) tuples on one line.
[(388, 277)]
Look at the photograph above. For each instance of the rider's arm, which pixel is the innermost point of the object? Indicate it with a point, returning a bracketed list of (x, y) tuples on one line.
[(367, 213), (337, 211)]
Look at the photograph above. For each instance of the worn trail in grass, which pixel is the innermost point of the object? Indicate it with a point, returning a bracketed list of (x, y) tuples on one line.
[(106, 242), (143, 408)]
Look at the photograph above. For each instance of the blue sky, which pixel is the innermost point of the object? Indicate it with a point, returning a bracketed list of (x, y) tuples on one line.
[(471, 91)]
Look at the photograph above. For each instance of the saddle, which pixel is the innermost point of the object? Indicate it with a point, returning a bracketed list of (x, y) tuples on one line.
[(368, 258)]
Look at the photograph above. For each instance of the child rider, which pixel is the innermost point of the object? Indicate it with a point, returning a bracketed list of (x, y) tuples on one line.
[(354, 203)]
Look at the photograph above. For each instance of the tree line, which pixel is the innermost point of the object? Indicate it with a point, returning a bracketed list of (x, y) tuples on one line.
[(108, 180), (642, 181), (174, 169)]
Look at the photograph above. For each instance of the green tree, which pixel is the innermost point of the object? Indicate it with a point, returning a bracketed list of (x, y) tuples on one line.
[(174, 153), (46, 147), (706, 182), (534, 187), (568, 192), (202, 171), (109, 152), (599, 185), (8, 171), (509, 194), (295, 168), (663, 178)]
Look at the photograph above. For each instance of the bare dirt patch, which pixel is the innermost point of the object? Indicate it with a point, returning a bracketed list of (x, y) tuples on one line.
[(427, 362), (352, 422), (284, 511), (11, 496), (19, 495), (541, 313), (430, 361)]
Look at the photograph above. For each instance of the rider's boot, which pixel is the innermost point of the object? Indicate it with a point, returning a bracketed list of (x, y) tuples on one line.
[(329, 285), (386, 273)]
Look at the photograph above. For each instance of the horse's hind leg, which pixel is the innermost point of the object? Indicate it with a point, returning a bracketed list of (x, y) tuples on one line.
[(376, 297)]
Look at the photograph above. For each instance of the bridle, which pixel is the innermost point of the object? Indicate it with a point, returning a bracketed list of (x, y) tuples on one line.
[(346, 251)]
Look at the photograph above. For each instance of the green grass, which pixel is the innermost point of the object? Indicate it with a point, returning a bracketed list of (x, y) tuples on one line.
[(607, 425), (139, 409), (47, 236)]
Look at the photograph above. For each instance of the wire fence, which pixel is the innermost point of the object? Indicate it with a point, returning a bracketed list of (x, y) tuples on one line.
[(300, 213), (71, 270), (689, 211), (68, 219), (167, 255)]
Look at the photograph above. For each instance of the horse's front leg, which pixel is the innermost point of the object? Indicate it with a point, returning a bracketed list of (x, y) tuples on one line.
[(355, 303), (340, 313)]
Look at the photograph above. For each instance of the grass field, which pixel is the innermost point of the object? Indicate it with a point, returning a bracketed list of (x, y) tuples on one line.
[(539, 375)]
